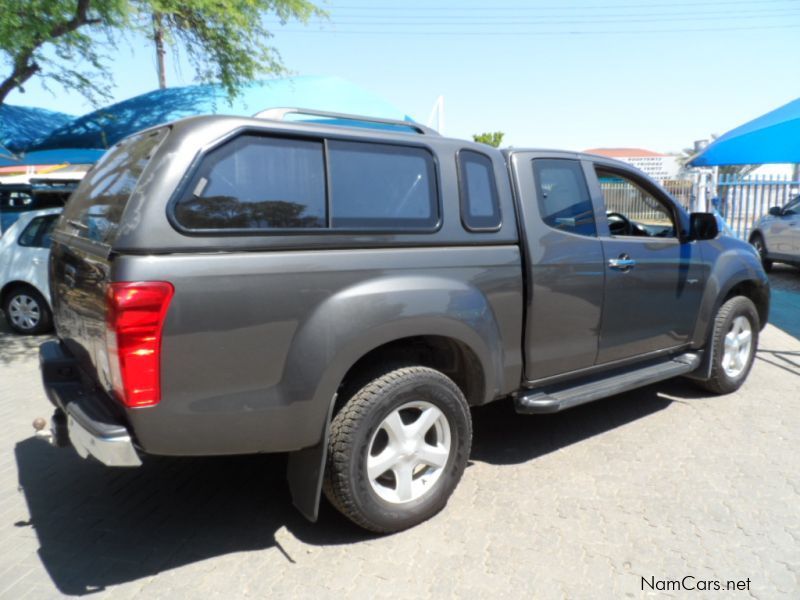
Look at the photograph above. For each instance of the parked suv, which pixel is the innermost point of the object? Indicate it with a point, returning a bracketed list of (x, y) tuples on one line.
[(227, 285), (776, 236)]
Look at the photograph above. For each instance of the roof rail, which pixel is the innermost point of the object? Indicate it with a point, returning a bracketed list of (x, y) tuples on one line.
[(279, 114)]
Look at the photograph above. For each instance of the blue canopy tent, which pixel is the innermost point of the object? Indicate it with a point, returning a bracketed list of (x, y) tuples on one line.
[(61, 156), (22, 127), (105, 127), (74, 156), (7, 158), (770, 138)]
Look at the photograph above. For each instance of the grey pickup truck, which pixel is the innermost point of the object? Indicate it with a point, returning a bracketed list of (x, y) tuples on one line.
[(344, 290)]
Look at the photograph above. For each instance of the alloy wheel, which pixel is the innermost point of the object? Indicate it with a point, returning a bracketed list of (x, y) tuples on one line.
[(738, 343), (408, 452)]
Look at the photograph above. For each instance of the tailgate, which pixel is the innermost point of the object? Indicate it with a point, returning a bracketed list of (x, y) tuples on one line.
[(78, 280), (80, 258)]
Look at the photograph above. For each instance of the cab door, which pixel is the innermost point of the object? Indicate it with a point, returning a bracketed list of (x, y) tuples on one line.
[(654, 277), (565, 271)]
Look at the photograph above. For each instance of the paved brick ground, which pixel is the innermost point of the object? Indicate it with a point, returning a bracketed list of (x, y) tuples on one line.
[(662, 482)]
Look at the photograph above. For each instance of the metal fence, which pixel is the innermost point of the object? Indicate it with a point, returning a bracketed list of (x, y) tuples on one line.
[(743, 200), (636, 204), (683, 190), (629, 200)]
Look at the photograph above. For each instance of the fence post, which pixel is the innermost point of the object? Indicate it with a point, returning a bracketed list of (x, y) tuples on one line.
[(702, 204), (714, 182)]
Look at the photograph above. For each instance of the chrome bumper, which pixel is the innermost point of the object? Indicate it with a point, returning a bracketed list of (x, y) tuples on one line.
[(84, 416), (116, 451)]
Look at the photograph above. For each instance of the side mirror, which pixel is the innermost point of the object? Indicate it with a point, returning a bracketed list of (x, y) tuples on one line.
[(776, 211), (703, 226)]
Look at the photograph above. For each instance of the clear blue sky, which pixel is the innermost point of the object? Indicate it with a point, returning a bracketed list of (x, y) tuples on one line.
[(551, 73)]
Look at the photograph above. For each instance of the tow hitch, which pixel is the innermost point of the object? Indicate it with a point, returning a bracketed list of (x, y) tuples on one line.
[(57, 435)]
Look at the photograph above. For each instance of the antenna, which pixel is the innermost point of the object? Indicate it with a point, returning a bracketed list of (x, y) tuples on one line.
[(437, 114)]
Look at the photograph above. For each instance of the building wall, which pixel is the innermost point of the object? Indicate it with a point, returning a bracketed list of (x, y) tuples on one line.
[(657, 167)]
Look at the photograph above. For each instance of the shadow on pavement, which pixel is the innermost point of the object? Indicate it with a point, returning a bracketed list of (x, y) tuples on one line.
[(15, 347), (98, 527), (783, 359), (503, 437)]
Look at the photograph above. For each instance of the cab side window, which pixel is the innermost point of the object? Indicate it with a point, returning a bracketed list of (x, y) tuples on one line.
[(480, 204), (631, 209), (564, 200)]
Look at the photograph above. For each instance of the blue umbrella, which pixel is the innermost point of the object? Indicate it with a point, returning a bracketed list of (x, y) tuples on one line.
[(770, 138), (105, 127)]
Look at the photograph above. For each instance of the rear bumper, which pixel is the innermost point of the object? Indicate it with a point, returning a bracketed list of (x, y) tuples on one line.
[(93, 427)]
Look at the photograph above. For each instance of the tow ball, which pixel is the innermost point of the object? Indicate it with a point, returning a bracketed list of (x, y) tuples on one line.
[(57, 435)]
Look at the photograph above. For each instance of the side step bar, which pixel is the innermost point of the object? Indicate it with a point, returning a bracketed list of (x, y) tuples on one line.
[(556, 398)]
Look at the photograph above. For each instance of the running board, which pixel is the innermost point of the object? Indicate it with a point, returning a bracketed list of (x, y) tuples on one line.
[(556, 398)]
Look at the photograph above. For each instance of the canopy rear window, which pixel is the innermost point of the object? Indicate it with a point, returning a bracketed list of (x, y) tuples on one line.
[(95, 209)]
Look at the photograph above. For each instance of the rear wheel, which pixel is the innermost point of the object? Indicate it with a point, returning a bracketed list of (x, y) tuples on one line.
[(26, 311), (398, 449), (734, 345), (757, 240)]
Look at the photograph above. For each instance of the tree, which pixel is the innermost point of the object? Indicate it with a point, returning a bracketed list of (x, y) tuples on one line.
[(494, 138), (65, 41)]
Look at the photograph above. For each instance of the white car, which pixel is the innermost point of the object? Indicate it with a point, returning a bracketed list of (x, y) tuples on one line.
[(24, 286), (776, 235)]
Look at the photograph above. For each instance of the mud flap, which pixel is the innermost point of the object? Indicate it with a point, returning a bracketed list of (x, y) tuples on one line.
[(703, 371), (305, 471)]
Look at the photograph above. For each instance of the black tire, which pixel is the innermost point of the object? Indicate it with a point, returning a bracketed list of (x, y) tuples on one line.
[(757, 241), (356, 429), (28, 296), (721, 382)]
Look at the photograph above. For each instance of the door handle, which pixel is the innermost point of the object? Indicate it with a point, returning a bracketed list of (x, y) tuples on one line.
[(623, 263)]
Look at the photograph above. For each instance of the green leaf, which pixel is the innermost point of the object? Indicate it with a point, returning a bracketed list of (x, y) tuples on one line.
[(67, 42), (494, 138)]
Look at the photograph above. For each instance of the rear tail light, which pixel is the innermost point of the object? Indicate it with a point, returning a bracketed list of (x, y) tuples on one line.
[(134, 320)]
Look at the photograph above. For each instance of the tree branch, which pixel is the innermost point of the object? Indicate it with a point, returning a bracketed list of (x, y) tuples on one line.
[(25, 66), (81, 18), (22, 72)]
